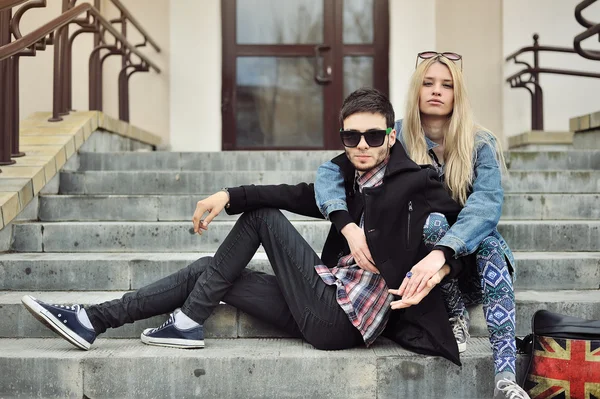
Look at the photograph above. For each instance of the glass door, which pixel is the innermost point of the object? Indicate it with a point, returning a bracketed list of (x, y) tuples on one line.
[(287, 66)]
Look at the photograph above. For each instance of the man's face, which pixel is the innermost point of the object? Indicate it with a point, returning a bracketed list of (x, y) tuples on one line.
[(364, 157)]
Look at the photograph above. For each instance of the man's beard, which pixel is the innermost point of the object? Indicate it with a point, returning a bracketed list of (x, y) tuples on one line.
[(379, 157)]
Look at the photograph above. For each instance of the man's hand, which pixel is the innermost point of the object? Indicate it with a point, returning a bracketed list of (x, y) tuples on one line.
[(422, 272), (213, 205), (355, 236), (406, 302)]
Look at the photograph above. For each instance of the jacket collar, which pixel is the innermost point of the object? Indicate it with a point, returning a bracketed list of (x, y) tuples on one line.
[(430, 144)]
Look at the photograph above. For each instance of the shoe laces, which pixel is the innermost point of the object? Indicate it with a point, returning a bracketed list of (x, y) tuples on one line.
[(170, 320), (460, 328), (511, 389), (67, 307)]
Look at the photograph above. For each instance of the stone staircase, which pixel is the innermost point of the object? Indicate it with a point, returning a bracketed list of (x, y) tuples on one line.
[(122, 220)]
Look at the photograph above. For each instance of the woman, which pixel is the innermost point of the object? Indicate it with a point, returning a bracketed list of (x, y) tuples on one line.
[(438, 129)]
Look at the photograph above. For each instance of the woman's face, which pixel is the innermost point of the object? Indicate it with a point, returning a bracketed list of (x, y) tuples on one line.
[(436, 97)]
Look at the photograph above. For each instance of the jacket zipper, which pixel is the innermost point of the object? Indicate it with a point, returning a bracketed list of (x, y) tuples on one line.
[(410, 209), (364, 195)]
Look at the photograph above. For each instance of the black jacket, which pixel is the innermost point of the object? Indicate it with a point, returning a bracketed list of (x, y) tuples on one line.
[(394, 215)]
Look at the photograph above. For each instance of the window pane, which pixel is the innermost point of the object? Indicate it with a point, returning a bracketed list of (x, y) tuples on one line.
[(278, 103), (358, 72), (358, 21), (279, 22)]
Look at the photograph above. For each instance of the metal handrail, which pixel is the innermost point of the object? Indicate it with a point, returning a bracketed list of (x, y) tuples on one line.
[(579, 9), (554, 72), (593, 29), (56, 33), (532, 82), (125, 13), (64, 19), (539, 48), (6, 4)]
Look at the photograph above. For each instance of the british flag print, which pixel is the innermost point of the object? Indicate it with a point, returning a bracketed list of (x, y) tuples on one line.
[(564, 369)]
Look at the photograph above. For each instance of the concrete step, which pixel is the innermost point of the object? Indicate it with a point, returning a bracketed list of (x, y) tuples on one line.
[(555, 236), (19, 323), (191, 182), (47, 271), (551, 207), (241, 368), (228, 322), (553, 160), (127, 207), (60, 208), (302, 160), (206, 161)]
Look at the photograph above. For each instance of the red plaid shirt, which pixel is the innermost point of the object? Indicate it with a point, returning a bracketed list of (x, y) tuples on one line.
[(361, 294)]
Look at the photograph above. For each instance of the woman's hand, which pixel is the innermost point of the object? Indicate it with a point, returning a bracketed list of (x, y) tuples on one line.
[(213, 205), (406, 302), (357, 241), (421, 273)]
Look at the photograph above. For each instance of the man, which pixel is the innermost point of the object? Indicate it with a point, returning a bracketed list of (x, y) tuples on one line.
[(331, 302)]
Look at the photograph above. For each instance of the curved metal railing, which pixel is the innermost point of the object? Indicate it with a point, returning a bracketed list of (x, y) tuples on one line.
[(593, 28), (56, 32), (529, 77)]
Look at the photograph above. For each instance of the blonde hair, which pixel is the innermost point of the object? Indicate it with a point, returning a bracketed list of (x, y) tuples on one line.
[(460, 132)]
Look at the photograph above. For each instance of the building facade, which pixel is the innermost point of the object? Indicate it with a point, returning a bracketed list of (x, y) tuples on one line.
[(290, 63)]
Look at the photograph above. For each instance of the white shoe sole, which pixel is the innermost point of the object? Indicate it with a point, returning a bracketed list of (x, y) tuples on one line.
[(53, 323), (462, 347), (172, 342)]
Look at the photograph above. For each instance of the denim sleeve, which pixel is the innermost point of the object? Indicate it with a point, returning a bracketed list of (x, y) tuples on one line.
[(483, 208), (329, 189)]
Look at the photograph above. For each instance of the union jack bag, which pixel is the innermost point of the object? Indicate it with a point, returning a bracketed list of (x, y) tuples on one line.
[(564, 357)]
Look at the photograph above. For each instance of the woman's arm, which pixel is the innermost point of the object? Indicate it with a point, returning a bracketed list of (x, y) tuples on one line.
[(483, 208), (329, 189), (330, 196)]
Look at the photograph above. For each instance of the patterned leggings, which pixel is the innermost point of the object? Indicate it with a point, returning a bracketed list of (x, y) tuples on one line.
[(492, 287)]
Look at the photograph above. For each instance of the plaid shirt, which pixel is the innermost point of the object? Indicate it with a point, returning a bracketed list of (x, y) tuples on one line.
[(361, 294)]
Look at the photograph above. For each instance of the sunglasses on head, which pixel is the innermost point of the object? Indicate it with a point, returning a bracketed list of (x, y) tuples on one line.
[(374, 138), (425, 55)]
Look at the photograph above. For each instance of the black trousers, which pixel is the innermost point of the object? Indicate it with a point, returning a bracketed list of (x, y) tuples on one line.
[(295, 299)]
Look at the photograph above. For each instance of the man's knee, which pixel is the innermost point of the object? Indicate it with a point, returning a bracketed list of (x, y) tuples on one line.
[(263, 214), (198, 266)]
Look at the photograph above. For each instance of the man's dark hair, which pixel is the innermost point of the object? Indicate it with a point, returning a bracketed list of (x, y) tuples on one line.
[(367, 99)]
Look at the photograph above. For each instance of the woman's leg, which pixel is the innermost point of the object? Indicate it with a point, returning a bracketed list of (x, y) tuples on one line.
[(434, 229), (498, 303)]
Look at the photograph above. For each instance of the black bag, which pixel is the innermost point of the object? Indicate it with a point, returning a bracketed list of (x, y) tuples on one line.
[(565, 357)]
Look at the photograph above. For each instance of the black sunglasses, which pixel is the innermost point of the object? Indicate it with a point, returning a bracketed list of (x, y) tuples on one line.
[(425, 55), (374, 138)]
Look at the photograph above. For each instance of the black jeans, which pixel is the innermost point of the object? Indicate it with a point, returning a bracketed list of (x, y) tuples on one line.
[(295, 299)]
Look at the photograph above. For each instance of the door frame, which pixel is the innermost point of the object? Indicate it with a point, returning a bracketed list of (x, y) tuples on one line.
[(333, 57)]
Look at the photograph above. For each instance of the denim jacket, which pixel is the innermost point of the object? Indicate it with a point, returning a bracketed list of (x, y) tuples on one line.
[(477, 220)]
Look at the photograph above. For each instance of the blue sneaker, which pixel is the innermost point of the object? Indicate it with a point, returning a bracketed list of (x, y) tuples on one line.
[(63, 320), (170, 335)]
